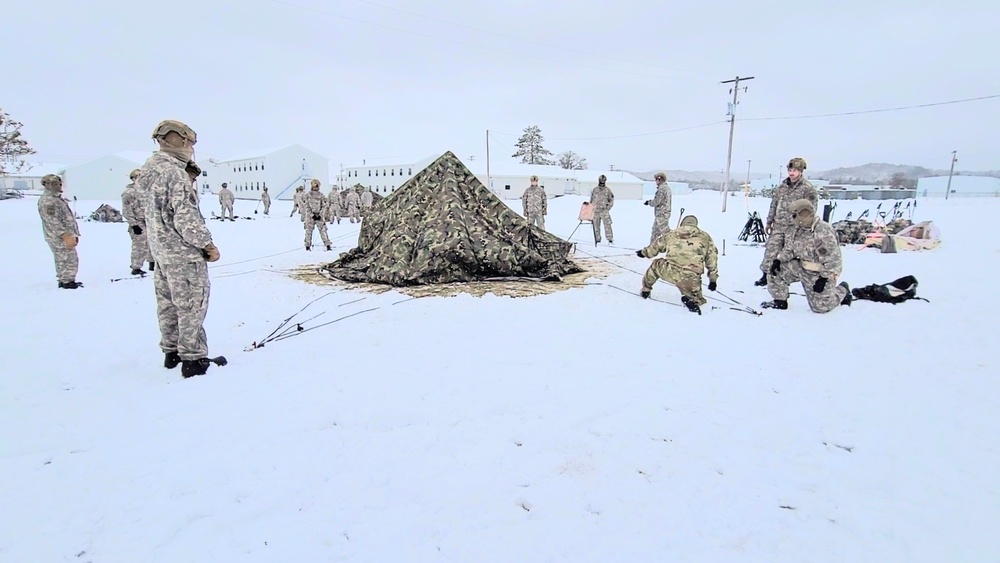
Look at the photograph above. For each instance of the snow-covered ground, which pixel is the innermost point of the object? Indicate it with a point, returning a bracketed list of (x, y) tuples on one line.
[(584, 425)]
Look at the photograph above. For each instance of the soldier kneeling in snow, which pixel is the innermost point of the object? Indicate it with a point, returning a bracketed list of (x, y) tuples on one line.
[(811, 255), (689, 251)]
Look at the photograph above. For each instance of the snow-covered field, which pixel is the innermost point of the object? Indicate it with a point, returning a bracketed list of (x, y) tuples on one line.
[(585, 425)]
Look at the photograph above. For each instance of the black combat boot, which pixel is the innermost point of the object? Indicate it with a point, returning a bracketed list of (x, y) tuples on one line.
[(644, 294), (192, 368), (152, 265), (691, 305), (138, 272), (70, 285), (849, 298), (308, 248), (329, 247), (762, 281), (171, 359), (776, 304)]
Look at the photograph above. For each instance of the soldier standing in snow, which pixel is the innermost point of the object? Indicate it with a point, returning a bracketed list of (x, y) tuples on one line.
[(779, 220), (136, 218), (181, 245), (810, 255), (266, 199), (661, 204), (353, 202), (314, 208), (602, 199), (297, 200), (689, 252), (535, 204), (366, 202), (226, 199), (60, 230), (336, 207)]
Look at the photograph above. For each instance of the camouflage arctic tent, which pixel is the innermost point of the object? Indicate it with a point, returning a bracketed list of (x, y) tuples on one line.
[(106, 214), (442, 226)]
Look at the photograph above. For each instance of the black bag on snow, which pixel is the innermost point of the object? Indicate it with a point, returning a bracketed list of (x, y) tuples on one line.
[(903, 289)]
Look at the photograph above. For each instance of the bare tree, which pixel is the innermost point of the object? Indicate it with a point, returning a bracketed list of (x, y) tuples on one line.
[(13, 147), (530, 149), (572, 161)]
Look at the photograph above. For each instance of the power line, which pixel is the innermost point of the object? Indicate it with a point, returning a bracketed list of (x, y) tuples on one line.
[(473, 45), (872, 110), (523, 40), (623, 136)]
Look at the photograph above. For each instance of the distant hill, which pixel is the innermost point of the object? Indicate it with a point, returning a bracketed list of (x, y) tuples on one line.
[(872, 173)]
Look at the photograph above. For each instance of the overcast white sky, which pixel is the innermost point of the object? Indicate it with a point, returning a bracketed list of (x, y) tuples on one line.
[(390, 79)]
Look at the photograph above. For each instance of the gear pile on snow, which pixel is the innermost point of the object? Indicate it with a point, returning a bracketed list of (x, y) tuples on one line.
[(106, 214), (443, 225)]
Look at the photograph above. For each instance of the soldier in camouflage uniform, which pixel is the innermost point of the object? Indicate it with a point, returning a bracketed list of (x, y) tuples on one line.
[(366, 202), (136, 218), (226, 199), (296, 199), (335, 205), (60, 230), (689, 252), (265, 198), (602, 199), (779, 219), (181, 245), (661, 204), (315, 208), (535, 204), (353, 202), (811, 256)]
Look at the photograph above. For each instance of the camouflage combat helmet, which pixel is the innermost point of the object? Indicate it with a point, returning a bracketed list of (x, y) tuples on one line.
[(314, 183), (797, 163), (660, 176), (689, 221), (49, 179), (800, 205), (133, 174), (168, 125), (602, 179)]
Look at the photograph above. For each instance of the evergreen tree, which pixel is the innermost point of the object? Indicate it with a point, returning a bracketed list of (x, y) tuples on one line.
[(530, 149), (572, 161), (13, 147)]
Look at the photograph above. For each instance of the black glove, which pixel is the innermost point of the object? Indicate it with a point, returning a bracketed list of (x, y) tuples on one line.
[(820, 285), (712, 285), (137, 229), (647, 202), (316, 217), (775, 267), (639, 254)]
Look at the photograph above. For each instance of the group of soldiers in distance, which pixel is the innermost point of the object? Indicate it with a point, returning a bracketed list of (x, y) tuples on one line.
[(168, 231), (800, 246)]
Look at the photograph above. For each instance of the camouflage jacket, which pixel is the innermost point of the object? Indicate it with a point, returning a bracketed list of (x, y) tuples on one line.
[(784, 195), (602, 198), (174, 224), (662, 201), (314, 203), (336, 200), (265, 197), (57, 218), (352, 200), (366, 199), (688, 248), (226, 196), (815, 247), (534, 201), (132, 206)]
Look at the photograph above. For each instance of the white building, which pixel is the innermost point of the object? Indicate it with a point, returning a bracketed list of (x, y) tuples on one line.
[(506, 179), (961, 186), (103, 178), (279, 169), (30, 178)]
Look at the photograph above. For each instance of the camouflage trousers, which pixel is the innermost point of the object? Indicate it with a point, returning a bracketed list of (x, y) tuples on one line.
[(67, 261), (335, 215), (140, 249), (267, 207), (604, 216), (791, 272), (352, 214), (688, 282), (774, 245), (182, 292), (661, 226), (536, 219), (311, 224), (227, 207)]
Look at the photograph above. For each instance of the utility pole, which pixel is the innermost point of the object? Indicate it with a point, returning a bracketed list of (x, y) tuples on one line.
[(612, 168), (489, 183), (732, 125), (950, 172), (748, 174)]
